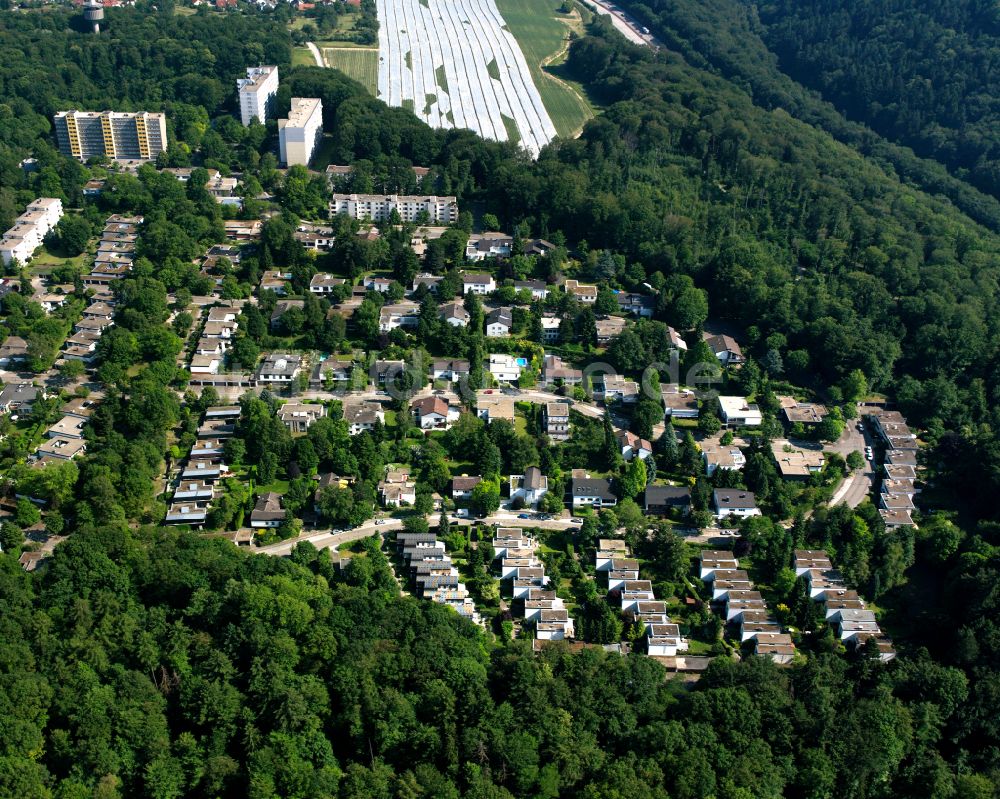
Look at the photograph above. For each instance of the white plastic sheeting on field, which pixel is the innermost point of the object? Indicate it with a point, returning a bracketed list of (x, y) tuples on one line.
[(421, 41)]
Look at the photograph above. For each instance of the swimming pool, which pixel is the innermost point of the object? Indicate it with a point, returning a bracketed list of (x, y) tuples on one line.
[(522, 362)]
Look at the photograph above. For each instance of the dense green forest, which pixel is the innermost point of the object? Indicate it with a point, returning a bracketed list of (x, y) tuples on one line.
[(152, 663), (922, 73), (726, 36), (155, 663)]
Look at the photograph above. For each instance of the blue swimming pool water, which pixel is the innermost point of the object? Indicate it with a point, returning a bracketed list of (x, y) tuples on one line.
[(522, 361)]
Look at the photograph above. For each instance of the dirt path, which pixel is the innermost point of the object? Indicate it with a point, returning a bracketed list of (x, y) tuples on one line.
[(316, 54)]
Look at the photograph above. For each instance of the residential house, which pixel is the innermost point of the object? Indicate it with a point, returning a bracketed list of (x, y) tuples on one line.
[(804, 413), (593, 491), (80, 407), (529, 487), (632, 446), (279, 369), (556, 372), (608, 329), (397, 488), (190, 513), (505, 368), (734, 502), (736, 411), (550, 328), (454, 314), (362, 416), (386, 372), (615, 388), (194, 491), (795, 463), (324, 283), (678, 403), (428, 280), (676, 341), (461, 487), (19, 397), (434, 413), (537, 288), (333, 370), (660, 500), (641, 305), (205, 364), (726, 349), (67, 427), (400, 314), (452, 371), (491, 407), (557, 420), (297, 417), (777, 646), (268, 511), (379, 284), (488, 245), (717, 456), (281, 307), (14, 350), (499, 322), (478, 283), (582, 292), (276, 281), (61, 448)]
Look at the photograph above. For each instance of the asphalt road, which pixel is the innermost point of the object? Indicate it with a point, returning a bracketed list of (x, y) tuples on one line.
[(625, 24), (859, 484)]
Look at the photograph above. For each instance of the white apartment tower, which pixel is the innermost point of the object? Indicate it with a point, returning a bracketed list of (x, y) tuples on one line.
[(299, 135), (378, 207), (257, 92)]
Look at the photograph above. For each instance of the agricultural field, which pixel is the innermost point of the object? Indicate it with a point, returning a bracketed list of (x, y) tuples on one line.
[(355, 62), (543, 31), (455, 63)]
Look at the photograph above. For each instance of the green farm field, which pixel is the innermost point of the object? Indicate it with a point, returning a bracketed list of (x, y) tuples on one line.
[(542, 32), (360, 64)]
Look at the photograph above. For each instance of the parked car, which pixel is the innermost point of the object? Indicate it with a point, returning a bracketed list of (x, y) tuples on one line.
[(576, 520), (524, 516)]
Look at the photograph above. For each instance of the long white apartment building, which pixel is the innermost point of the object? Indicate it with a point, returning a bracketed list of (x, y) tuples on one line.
[(300, 133), (121, 135), (30, 229), (257, 92), (379, 207)]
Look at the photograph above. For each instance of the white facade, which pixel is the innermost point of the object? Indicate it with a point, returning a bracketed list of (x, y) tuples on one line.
[(299, 135), (378, 207), (505, 368), (30, 229), (257, 92), (736, 411)]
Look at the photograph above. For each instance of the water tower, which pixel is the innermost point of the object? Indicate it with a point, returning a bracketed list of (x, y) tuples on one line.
[(93, 12)]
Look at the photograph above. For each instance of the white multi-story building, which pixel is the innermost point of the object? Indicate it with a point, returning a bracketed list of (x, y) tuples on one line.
[(378, 207), (30, 229), (257, 92), (299, 134)]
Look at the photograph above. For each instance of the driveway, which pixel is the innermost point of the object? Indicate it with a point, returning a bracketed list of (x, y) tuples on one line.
[(859, 484)]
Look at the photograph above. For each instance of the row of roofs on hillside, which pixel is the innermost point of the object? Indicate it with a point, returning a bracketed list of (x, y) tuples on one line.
[(740, 605), (532, 596), (897, 489), (844, 609), (663, 637), (199, 476), (435, 576)]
